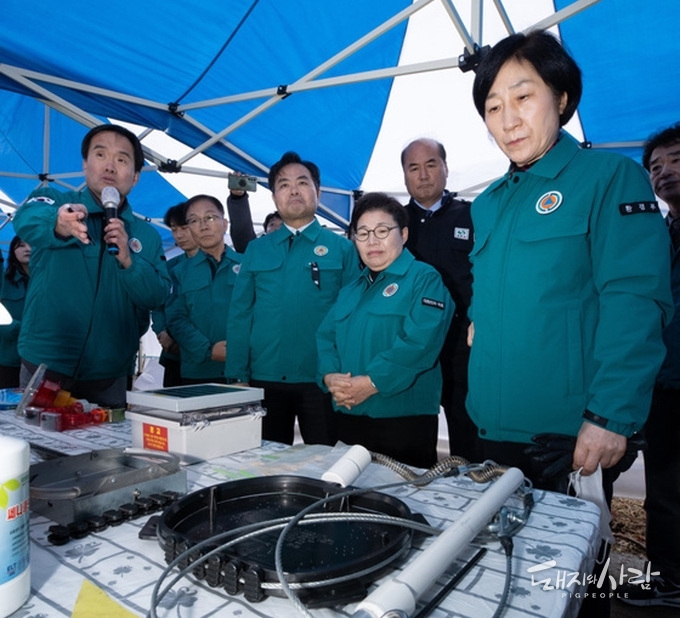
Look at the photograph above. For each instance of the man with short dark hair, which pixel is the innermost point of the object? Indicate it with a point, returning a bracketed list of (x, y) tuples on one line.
[(288, 281), (84, 307), (440, 234), (197, 311), (661, 158)]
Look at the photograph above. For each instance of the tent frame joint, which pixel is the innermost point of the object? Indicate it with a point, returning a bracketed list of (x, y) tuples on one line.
[(169, 166), (173, 108), (470, 61), (282, 91)]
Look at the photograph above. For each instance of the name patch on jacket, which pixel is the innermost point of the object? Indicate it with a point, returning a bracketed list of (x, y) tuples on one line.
[(431, 302), (635, 208), (461, 233)]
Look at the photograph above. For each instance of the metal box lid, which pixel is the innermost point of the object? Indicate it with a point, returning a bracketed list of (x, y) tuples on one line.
[(196, 397)]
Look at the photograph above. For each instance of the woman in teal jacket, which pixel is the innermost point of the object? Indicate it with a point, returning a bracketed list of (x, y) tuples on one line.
[(379, 344), (12, 294), (570, 291)]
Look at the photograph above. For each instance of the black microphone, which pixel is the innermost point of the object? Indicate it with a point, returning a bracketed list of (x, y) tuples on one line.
[(111, 200)]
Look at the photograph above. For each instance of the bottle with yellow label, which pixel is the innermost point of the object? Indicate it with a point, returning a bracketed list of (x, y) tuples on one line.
[(15, 574)]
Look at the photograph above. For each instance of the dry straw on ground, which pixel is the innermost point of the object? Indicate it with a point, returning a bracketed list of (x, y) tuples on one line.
[(628, 526)]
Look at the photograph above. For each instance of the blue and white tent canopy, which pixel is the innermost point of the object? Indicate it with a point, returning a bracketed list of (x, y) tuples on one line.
[(245, 80)]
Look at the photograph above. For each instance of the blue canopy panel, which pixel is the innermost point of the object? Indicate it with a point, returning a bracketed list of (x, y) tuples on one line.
[(627, 52), (22, 159), (254, 45)]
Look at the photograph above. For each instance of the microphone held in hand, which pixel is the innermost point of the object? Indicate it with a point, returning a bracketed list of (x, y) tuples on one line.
[(111, 200)]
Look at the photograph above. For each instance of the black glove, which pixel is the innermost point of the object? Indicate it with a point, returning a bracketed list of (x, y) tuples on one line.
[(551, 456)]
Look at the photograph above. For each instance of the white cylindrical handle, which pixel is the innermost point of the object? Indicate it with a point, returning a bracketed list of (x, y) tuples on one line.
[(348, 468), (402, 592)]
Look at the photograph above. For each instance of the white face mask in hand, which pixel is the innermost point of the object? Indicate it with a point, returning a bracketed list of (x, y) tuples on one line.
[(590, 488)]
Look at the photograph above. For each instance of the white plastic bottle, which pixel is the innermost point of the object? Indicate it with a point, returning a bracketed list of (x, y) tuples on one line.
[(15, 573)]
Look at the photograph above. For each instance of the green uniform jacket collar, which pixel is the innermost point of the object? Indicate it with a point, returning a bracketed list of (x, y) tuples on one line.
[(311, 232), (228, 255), (397, 268), (551, 164)]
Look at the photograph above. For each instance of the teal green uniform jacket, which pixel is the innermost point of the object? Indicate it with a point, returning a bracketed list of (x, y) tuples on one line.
[(12, 295), (391, 330), (197, 311), (570, 294), (280, 297), (83, 311), (159, 321)]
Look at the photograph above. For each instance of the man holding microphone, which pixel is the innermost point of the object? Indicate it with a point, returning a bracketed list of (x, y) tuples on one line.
[(95, 277)]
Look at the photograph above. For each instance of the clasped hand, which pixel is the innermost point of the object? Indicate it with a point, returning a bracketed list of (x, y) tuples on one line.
[(348, 390)]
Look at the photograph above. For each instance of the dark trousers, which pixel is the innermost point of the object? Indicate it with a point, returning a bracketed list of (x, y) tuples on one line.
[(412, 440), (662, 479), (107, 392), (454, 360), (172, 375), (512, 454), (313, 408), (9, 376)]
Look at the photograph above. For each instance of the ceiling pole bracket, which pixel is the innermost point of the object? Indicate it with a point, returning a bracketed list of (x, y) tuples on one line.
[(470, 62), (173, 108), (169, 166), (282, 91)]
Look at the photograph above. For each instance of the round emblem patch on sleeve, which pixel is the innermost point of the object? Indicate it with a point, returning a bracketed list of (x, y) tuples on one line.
[(548, 202), (135, 245)]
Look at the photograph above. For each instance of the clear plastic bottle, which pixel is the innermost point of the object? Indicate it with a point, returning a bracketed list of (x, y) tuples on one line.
[(15, 573)]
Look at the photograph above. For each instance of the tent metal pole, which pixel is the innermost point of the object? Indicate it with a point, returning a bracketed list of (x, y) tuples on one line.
[(232, 147), (504, 16), (351, 78), (604, 145), (477, 21), (458, 23), (46, 140), (324, 66), (17, 76), (12, 72), (560, 16)]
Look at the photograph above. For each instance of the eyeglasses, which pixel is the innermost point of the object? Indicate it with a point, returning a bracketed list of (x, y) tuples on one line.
[(381, 232), (194, 221)]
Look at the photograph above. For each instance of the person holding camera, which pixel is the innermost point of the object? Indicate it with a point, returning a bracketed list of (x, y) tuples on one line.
[(239, 215)]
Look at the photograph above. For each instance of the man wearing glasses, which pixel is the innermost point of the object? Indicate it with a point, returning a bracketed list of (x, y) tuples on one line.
[(288, 281), (203, 284)]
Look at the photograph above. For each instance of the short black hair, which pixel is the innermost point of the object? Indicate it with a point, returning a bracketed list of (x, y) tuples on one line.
[(288, 158), (269, 218), (114, 128), (667, 137), (440, 148), (375, 200), (175, 215), (197, 198), (546, 54)]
